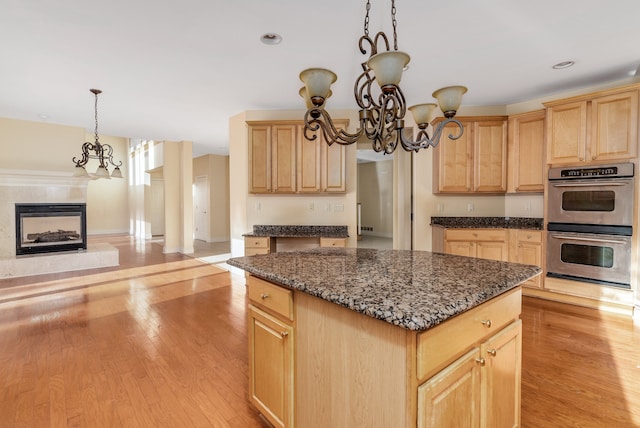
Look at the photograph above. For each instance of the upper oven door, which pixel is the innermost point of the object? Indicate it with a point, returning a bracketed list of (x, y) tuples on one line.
[(591, 201)]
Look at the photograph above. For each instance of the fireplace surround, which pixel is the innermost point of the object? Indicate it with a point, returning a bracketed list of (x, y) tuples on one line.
[(50, 228)]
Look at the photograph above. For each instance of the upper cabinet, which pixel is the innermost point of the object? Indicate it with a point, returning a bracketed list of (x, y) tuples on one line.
[(474, 163), (593, 128), (282, 160), (526, 162)]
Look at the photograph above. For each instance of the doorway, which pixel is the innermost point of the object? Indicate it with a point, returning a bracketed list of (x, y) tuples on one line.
[(201, 208)]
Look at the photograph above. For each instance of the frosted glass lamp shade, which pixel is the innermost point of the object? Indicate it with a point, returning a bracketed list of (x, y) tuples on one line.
[(388, 66), (102, 172), (307, 99), (79, 171), (449, 99), (423, 113), (318, 81), (117, 173)]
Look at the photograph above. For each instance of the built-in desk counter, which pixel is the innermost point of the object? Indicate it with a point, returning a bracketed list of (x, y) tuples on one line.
[(266, 239)]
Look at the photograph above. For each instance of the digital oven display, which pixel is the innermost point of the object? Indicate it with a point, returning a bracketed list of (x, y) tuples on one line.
[(589, 172)]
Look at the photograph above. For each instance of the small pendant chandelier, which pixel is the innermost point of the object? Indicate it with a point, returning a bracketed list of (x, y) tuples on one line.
[(102, 152), (381, 116)]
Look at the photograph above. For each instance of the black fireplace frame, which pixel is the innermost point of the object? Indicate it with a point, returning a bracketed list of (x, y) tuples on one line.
[(50, 210)]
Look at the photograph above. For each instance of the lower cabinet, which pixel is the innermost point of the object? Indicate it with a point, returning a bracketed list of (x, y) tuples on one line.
[(342, 365), (258, 245), (483, 243), (526, 247), (333, 242), (486, 379), (271, 340)]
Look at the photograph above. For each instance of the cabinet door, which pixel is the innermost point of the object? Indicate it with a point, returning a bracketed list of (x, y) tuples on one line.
[(454, 159), (498, 250), (460, 248), (452, 397), (283, 158), (567, 133), (309, 164), (529, 251), (259, 159), (526, 153), (490, 156), (614, 126), (501, 378), (334, 164), (271, 367)]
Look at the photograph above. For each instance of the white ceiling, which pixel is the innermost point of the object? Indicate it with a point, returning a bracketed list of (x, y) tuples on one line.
[(177, 70)]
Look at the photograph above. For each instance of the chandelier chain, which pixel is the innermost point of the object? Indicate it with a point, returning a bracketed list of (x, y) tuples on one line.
[(394, 21), (366, 19), (96, 116)]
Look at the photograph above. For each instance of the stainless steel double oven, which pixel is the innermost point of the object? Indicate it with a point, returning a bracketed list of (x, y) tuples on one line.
[(590, 223)]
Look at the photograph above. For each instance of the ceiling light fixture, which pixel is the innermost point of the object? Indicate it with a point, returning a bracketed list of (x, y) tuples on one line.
[(381, 116), (271, 38), (563, 64), (102, 152)]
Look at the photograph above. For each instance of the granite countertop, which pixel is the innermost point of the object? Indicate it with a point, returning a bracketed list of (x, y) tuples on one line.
[(415, 290), (488, 222), (293, 231)]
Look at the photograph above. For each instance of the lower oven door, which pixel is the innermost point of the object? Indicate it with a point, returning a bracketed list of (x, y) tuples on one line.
[(602, 259)]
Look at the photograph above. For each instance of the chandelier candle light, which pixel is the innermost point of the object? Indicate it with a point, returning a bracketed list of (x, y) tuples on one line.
[(102, 152), (381, 117)]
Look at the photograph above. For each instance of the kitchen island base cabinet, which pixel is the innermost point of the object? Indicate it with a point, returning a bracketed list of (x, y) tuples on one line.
[(355, 370)]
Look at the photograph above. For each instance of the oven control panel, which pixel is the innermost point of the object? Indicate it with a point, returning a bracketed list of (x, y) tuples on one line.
[(601, 171)]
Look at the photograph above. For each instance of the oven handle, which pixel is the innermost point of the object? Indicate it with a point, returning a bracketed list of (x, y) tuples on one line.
[(577, 238), (594, 184)]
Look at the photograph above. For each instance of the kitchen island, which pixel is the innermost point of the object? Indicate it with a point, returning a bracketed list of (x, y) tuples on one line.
[(361, 337)]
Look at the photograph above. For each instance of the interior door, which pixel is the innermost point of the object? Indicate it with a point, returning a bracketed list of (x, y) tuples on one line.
[(201, 208), (157, 207)]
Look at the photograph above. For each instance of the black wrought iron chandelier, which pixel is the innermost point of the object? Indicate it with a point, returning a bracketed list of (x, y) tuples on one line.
[(102, 152), (381, 116)]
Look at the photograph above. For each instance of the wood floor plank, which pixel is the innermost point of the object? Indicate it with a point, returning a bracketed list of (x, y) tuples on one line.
[(161, 341)]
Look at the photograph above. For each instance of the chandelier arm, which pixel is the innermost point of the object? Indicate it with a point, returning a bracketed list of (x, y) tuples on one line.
[(318, 118), (109, 155), (423, 141), (86, 147)]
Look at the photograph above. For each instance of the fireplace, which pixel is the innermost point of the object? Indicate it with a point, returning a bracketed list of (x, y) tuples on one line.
[(48, 228)]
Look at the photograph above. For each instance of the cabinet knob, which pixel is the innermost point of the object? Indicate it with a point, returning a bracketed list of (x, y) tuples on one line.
[(492, 352), (264, 296), (480, 361), (486, 323), (284, 333)]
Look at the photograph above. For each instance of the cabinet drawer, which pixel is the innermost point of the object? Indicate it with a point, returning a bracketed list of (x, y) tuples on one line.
[(532, 236), (254, 251), (476, 235), (274, 298), (257, 242), (333, 242), (440, 345)]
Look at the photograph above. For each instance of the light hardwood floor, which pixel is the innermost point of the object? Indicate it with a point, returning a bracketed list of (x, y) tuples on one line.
[(161, 341)]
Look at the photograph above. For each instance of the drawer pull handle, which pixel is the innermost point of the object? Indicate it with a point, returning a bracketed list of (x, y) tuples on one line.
[(486, 323), (264, 296), (480, 361), (492, 352), (284, 333)]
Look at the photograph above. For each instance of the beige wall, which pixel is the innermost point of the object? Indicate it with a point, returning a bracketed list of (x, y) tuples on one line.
[(216, 168), (39, 146), (247, 210), (375, 194)]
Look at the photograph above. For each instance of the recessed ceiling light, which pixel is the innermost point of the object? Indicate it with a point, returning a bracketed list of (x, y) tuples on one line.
[(563, 64), (271, 38), (43, 116)]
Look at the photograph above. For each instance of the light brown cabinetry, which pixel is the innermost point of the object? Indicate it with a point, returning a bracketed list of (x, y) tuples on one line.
[(515, 245), (474, 163), (282, 160), (258, 245), (482, 243), (486, 379), (525, 246), (526, 160), (271, 347), (465, 369), (593, 128), (272, 158), (333, 242)]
